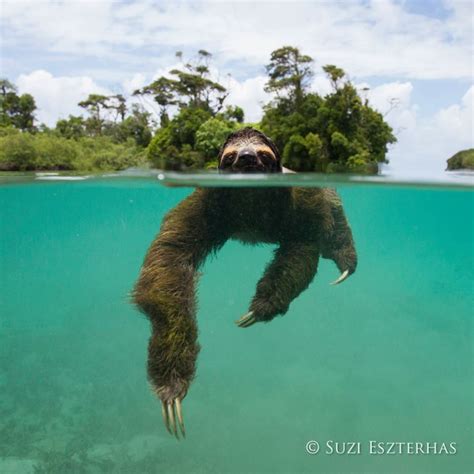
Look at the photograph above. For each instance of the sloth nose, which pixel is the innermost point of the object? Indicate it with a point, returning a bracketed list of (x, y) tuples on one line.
[(246, 157)]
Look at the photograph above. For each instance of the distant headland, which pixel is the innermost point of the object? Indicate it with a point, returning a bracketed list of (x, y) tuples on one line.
[(462, 160)]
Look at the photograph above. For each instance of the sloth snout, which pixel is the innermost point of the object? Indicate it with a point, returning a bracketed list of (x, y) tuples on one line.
[(245, 158)]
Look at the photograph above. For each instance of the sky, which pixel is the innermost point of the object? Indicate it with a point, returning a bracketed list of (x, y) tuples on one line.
[(418, 52)]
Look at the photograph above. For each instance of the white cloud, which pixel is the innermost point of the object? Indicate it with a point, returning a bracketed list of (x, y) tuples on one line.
[(456, 120), (249, 95), (57, 97), (137, 81), (393, 101), (378, 37), (424, 147)]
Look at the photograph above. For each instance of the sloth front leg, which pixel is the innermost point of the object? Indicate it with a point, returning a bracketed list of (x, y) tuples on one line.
[(168, 302), (165, 293), (338, 244), (288, 274)]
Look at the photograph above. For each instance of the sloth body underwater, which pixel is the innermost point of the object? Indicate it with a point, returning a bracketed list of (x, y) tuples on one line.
[(305, 224)]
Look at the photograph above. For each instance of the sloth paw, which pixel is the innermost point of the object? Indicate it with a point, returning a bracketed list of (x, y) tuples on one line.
[(171, 409), (261, 310)]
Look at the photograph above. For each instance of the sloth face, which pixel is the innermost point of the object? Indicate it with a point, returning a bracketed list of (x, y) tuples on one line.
[(249, 151)]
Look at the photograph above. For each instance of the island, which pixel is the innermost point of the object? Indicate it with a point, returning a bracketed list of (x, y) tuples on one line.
[(462, 160)]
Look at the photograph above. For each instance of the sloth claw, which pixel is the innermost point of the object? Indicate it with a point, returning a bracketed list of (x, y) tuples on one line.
[(343, 276), (165, 417), (246, 320), (168, 412), (179, 414)]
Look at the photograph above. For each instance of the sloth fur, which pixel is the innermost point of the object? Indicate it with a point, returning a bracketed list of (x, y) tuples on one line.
[(304, 223)]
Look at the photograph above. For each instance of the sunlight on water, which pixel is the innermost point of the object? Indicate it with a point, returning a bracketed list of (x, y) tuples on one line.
[(385, 356)]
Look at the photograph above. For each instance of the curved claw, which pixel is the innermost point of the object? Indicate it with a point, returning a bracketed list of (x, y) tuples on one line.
[(171, 419), (168, 412), (246, 320), (343, 276), (165, 417), (179, 414)]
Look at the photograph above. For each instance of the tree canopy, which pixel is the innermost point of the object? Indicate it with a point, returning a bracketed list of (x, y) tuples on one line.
[(16, 110), (289, 72), (337, 132)]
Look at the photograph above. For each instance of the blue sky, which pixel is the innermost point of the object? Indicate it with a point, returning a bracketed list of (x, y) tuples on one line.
[(419, 52)]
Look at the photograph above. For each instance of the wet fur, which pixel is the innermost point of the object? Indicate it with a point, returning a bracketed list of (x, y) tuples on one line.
[(304, 223)]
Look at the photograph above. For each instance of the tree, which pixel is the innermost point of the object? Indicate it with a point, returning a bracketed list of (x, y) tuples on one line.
[(118, 104), (73, 128), (338, 132), (211, 135), (289, 73), (189, 139), (137, 126), (234, 113), (6, 86), (16, 110), (189, 87), (163, 92), (335, 74), (95, 104)]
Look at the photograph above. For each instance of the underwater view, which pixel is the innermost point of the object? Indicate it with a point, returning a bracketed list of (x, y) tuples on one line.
[(348, 380)]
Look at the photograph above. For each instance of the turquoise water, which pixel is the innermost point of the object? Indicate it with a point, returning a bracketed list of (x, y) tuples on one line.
[(385, 356)]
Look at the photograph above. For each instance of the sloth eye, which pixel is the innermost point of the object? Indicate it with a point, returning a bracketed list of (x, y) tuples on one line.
[(265, 156), (228, 158)]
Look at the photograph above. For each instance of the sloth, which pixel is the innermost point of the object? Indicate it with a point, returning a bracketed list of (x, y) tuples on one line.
[(304, 223)]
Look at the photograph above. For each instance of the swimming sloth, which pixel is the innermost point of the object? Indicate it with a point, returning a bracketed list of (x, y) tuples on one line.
[(304, 223)]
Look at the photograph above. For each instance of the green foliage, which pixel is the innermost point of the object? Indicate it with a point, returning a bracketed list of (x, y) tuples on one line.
[(316, 152), (192, 139), (185, 125), (190, 88), (335, 75), (280, 120), (174, 146), (335, 133), (17, 151), (289, 73), (23, 151), (235, 113), (6, 86), (463, 159), (95, 104), (16, 110), (295, 153), (136, 126), (73, 127), (161, 152), (211, 135)]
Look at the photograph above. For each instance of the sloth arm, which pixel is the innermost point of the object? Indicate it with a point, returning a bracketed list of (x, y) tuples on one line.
[(337, 243), (165, 293), (316, 226), (289, 273)]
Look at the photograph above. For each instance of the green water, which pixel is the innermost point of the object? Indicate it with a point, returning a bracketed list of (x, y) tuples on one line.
[(385, 356)]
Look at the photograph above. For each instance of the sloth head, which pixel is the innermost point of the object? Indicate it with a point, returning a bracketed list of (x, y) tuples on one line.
[(249, 151)]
